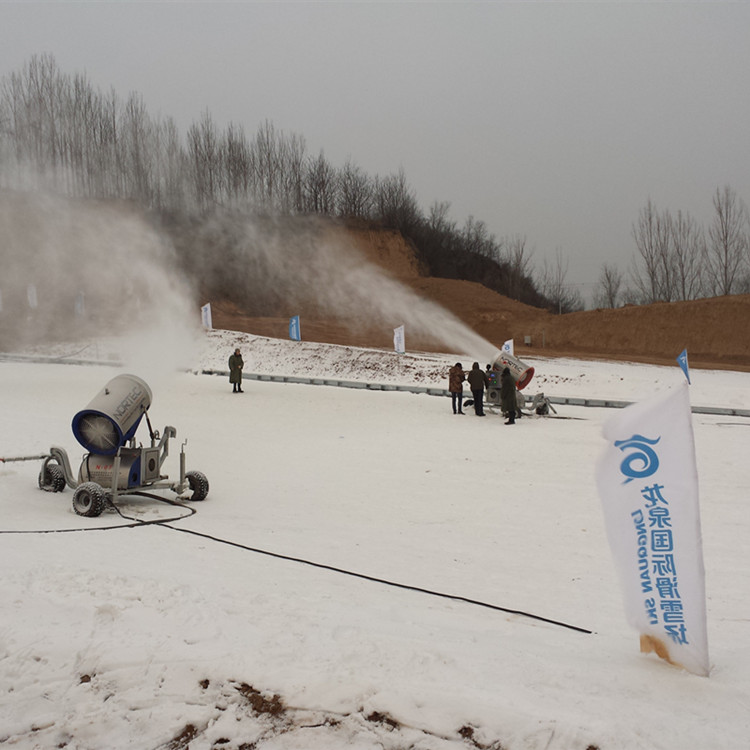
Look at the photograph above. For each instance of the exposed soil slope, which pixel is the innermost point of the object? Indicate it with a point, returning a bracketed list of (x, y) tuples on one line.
[(716, 332)]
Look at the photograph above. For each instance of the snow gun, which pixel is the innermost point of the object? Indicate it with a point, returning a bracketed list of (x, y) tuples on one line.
[(114, 464), (519, 371)]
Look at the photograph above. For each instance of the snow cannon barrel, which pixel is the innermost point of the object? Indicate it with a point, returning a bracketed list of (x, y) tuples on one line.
[(113, 415), (520, 372)]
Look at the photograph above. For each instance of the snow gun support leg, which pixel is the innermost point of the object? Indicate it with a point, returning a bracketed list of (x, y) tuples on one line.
[(183, 485)]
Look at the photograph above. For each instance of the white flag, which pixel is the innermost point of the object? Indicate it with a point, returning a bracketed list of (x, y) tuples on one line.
[(398, 340), (508, 347), (648, 484), (206, 316)]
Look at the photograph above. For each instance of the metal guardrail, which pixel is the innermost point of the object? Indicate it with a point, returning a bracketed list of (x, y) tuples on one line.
[(433, 391), (339, 383), (62, 360)]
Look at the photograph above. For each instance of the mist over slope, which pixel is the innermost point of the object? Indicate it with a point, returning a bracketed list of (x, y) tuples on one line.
[(715, 331), (76, 269)]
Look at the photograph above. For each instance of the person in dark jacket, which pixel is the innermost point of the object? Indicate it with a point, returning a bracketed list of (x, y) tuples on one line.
[(508, 395), (235, 371), (478, 381), (456, 379)]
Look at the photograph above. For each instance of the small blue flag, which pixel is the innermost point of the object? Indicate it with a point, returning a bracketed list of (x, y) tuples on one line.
[(294, 329), (683, 362)]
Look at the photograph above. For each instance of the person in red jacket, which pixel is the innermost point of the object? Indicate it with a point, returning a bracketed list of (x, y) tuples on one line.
[(456, 379)]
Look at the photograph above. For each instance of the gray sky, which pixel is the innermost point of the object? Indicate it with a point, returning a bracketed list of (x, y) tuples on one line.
[(552, 120)]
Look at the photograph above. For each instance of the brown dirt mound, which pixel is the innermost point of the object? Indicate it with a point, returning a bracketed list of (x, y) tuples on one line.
[(716, 332)]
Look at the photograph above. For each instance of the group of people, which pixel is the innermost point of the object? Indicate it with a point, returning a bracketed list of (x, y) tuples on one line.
[(478, 382)]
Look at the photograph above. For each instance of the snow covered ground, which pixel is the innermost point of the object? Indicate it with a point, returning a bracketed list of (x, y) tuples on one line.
[(268, 620)]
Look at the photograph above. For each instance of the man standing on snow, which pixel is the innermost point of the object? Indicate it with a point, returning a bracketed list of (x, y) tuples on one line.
[(508, 401), (478, 382), (235, 371)]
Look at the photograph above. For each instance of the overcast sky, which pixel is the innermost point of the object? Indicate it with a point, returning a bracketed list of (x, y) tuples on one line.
[(557, 121)]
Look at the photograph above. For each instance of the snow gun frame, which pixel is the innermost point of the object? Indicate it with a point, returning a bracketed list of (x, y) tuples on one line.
[(114, 464), (522, 375)]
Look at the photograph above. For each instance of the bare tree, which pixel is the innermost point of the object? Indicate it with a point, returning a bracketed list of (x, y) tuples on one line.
[(137, 152), (203, 146), (237, 165), (268, 159), (551, 280), (170, 172), (355, 191), (688, 247), (438, 220), (293, 160), (727, 242), (395, 202), (607, 292), (477, 238), (518, 257), (652, 239), (320, 186)]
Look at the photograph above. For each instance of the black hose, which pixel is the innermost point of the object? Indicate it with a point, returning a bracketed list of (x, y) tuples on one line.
[(135, 521), (373, 579), (322, 566)]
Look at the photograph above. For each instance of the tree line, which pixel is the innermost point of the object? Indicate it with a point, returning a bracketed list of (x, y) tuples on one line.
[(678, 259), (90, 144)]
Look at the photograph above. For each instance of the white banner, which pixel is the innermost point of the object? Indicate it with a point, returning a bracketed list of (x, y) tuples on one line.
[(206, 316), (399, 340), (508, 347), (648, 484)]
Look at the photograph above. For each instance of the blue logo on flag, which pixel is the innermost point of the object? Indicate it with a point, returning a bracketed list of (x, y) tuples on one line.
[(642, 461)]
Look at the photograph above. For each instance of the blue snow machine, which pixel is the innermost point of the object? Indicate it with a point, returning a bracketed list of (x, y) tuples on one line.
[(114, 465)]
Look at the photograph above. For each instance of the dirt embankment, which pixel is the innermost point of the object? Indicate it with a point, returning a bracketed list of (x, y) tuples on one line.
[(716, 332)]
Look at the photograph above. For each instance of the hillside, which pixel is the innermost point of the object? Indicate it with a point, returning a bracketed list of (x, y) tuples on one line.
[(716, 332)]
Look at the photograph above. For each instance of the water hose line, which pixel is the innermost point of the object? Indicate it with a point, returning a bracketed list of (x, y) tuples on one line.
[(299, 560)]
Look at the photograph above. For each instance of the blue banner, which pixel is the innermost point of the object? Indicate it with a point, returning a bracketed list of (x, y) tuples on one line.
[(683, 362), (295, 333)]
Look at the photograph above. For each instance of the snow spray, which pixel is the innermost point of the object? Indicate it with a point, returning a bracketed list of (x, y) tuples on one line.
[(309, 263), (101, 270)]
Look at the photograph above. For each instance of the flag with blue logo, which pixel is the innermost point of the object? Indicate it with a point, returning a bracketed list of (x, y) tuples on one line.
[(295, 333), (683, 362), (399, 340), (508, 347), (648, 485)]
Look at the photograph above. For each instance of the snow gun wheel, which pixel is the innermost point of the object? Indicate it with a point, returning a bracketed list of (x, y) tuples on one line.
[(198, 485), (52, 478), (88, 499)]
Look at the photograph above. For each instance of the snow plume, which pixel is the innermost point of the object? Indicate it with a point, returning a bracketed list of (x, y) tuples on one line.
[(75, 271), (311, 267)]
